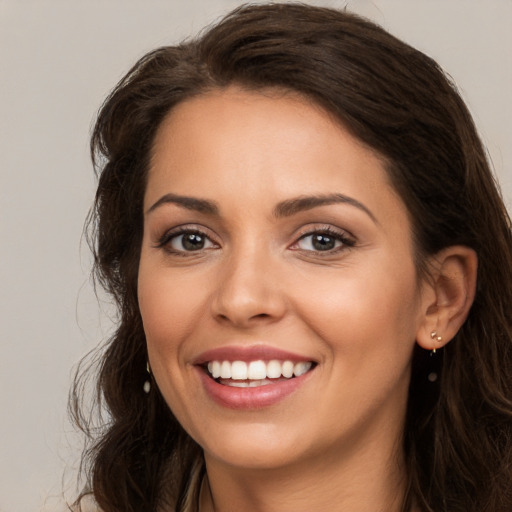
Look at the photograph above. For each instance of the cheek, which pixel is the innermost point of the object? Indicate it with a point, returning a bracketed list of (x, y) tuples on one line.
[(367, 324), (167, 304), (155, 303), (371, 308), (164, 317), (168, 309)]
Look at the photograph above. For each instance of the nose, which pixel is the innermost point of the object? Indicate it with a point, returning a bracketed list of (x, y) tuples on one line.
[(248, 292)]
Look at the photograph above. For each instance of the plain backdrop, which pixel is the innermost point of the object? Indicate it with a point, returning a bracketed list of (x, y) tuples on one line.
[(58, 60)]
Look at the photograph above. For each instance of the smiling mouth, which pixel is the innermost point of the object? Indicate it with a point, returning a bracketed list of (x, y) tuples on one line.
[(252, 374)]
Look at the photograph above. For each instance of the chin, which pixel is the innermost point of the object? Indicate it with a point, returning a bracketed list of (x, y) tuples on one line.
[(253, 447)]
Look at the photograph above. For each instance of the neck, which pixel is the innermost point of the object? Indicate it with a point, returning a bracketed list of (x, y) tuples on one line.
[(369, 479)]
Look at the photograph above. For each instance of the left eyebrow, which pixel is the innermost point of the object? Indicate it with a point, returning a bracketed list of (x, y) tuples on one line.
[(302, 203), (190, 203)]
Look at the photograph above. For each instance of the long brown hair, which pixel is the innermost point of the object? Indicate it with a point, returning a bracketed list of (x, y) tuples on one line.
[(458, 435)]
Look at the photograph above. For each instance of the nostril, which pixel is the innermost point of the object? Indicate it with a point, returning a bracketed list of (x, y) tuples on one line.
[(245, 319), (245, 305)]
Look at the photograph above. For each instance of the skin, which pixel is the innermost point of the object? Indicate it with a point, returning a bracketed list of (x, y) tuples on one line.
[(356, 310)]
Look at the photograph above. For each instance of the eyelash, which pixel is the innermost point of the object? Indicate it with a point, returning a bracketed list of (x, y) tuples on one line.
[(346, 241)]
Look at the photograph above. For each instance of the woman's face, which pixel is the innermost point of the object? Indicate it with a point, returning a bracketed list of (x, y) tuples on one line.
[(273, 244)]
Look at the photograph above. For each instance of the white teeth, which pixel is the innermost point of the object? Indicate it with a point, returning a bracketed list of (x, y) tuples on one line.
[(238, 370), (256, 383), (273, 369), (225, 370), (238, 384), (247, 384), (301, 368), (257, 371), (287, 369), (215, 369)]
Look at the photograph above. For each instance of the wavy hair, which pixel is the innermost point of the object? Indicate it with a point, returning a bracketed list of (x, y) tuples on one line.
[(458, 434)]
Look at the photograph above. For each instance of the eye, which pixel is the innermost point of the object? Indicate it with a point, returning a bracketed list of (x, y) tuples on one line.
[(325, 240), (318, 242), (186, 240)]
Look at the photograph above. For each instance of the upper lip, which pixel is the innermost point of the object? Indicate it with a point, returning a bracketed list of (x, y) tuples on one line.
[(249, 353)]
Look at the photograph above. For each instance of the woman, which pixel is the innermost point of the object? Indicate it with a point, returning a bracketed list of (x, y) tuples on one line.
[(291, 215)]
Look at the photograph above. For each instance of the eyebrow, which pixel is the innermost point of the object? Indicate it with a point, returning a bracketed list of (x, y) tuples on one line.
[(302, 203), (285, 208), (190, 203)]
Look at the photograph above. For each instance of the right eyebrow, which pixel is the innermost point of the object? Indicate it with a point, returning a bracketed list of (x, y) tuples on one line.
[(190, 203)]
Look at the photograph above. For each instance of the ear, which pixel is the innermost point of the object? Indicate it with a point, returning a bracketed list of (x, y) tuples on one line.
[(447, 296)]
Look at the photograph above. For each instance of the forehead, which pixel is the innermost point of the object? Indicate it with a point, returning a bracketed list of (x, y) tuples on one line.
[(264, 134)]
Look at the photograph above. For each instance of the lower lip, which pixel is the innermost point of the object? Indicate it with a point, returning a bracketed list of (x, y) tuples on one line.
[(251, 398)]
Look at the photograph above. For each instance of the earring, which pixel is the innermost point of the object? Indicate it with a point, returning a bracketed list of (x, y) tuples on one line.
[(147, 383), (434, 335)]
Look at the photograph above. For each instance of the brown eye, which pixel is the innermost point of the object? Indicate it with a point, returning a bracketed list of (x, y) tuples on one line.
[(323, 242), (320, 242), (189, 241)]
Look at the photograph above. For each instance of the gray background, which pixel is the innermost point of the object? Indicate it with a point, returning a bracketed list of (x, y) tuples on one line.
[(58, 60)]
